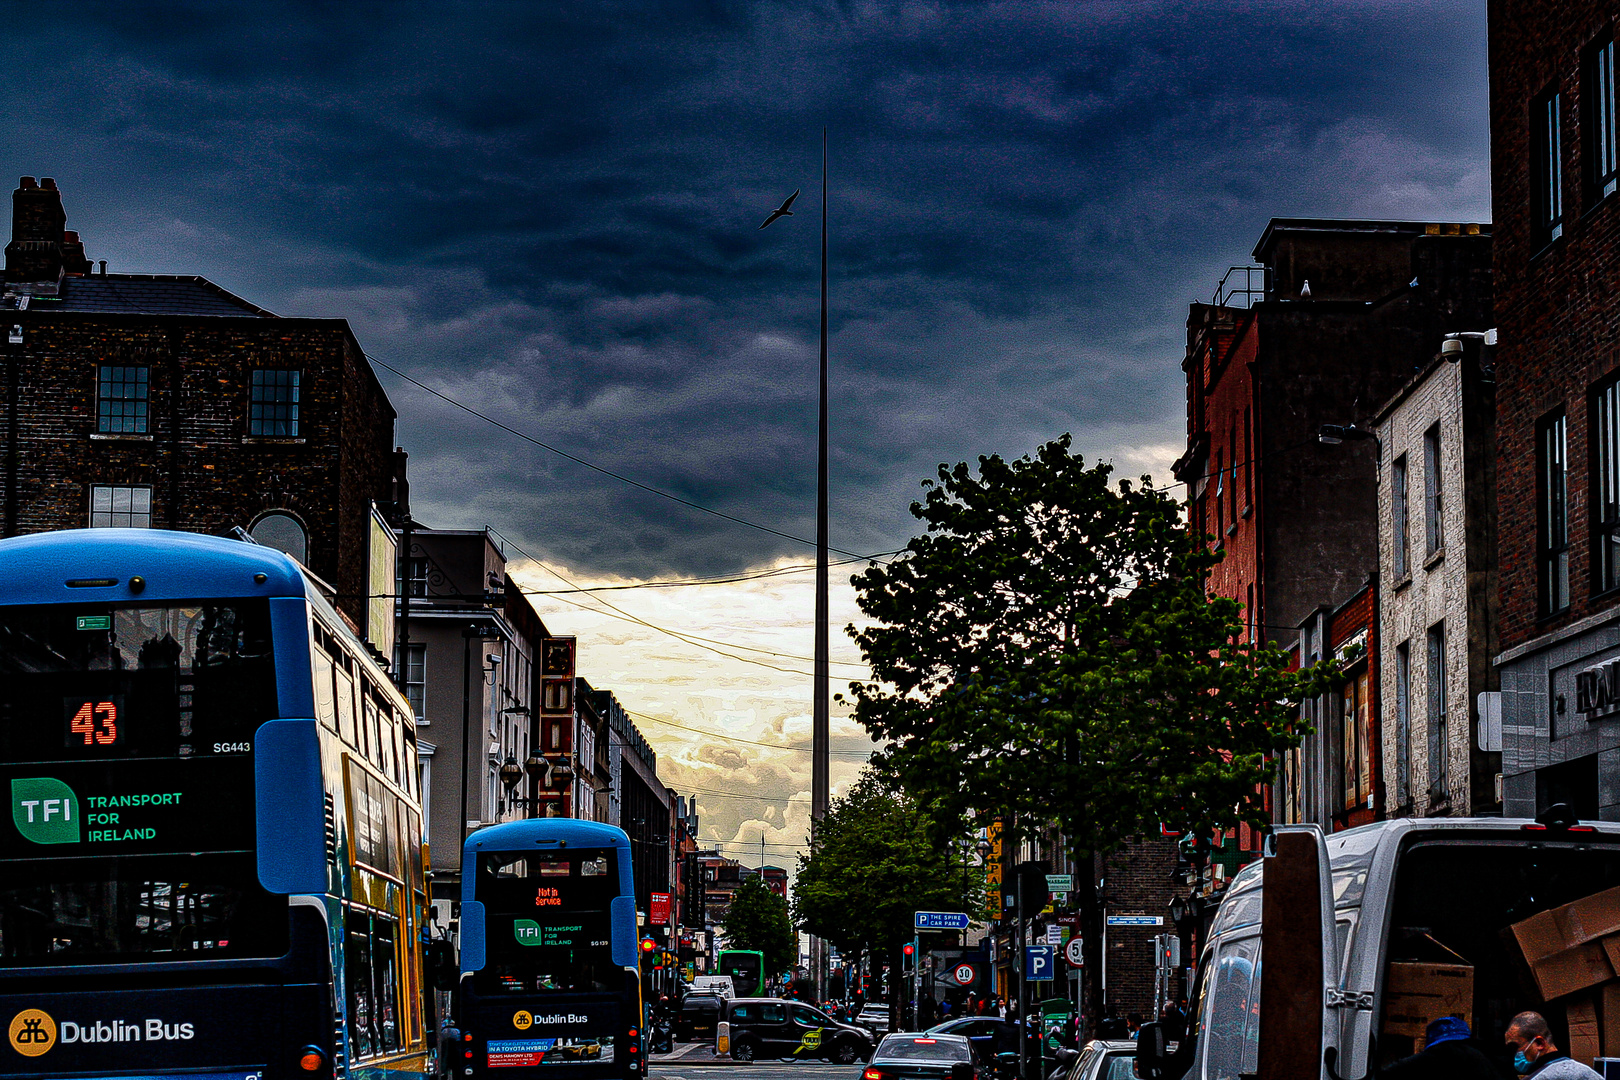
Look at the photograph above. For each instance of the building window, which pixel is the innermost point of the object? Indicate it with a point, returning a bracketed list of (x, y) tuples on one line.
[(1355, 717), (1439, 790), (1220, 500), (116, 507), (1248, 460), (1400, 515), (1434, 535), (1547, 165), (121, 396), (1254, 622), (273, 403), (1606, 507), (416, 575), (414, 669), (1403, 724), (1598, 106), (1552, 518)]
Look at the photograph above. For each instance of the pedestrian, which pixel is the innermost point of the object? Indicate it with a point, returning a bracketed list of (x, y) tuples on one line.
[(1449, 1053), (1530, 1042), (1133, 1024)]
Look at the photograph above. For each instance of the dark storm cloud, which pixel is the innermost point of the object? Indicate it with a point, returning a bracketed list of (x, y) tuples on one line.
[(551, 211)]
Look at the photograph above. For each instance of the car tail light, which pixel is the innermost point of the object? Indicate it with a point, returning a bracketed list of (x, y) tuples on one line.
[(875, 1074), (310, 1059)]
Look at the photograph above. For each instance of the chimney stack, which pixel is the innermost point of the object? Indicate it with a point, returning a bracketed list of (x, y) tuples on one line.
[(41, 249)]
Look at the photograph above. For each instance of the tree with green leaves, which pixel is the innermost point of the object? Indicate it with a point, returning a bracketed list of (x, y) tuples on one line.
[(1046, 651), (758, 919), (1047, 648), (876, 859)]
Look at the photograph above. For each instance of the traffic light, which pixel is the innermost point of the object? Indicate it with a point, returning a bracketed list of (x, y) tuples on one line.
[(648, 945), (910, 950)]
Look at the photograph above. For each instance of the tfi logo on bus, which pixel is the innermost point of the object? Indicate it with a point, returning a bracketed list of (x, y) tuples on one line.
[(45, 810), (526, 931)]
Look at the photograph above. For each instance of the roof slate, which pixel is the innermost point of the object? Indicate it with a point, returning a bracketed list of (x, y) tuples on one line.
[(141, 294)]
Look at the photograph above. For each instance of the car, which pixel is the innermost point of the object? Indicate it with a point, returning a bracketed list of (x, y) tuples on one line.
[(922, 1055), (698, 1016), (990, 1035), (875, 1017), (779, 1028), (1105, 1059)]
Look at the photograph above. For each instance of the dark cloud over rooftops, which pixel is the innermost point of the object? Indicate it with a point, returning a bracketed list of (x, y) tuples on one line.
[(550, 212)]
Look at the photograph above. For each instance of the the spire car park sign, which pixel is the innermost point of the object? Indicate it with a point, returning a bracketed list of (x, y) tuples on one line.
[(939, 920)]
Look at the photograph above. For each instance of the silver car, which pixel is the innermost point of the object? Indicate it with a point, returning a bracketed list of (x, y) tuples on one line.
[(1105, 1059)]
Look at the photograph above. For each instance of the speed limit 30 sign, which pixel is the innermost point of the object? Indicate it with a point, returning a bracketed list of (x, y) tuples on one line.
[(963, 974), (1075, 952)]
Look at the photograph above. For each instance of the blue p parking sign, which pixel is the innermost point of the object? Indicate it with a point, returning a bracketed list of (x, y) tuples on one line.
[(1040, 962)]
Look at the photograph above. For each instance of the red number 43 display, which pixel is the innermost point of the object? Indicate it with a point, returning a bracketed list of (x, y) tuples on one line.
[(93, 723)]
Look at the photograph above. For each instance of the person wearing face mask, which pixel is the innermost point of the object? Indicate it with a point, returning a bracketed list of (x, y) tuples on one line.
[(1529, 1040), (1449, 1053)]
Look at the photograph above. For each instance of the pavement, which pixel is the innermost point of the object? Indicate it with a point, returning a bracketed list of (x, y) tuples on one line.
[(693, 1053), (669, 1067)]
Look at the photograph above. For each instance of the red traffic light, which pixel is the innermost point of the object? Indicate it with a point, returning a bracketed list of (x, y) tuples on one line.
[(648, 945), (909, 949)]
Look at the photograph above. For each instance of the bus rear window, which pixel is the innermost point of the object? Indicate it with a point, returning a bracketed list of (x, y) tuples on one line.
[(547, 922), (152, 908), (97, 682)]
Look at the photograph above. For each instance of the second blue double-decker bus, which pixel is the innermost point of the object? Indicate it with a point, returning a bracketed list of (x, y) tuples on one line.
[(549, 979)]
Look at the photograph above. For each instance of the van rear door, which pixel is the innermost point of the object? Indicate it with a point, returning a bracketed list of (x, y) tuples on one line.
[(1299, 955)]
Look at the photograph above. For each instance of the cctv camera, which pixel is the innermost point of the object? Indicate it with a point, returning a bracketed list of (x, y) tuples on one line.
[(493, 659)]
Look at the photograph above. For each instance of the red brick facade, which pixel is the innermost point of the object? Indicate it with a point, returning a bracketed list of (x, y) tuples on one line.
[(1557, 303)]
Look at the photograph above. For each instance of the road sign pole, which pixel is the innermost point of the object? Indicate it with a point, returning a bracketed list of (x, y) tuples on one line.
[(1023, 980)]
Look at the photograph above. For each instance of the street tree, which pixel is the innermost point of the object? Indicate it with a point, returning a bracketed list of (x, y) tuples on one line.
[(875, 861), (758, 919), (1046, 651)]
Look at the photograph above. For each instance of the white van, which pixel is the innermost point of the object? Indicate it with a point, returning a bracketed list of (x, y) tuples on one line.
[(1343, 921), (720, 985)]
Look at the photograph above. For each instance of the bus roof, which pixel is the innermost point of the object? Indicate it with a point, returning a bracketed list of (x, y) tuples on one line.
[(526, 834), (36, 569)]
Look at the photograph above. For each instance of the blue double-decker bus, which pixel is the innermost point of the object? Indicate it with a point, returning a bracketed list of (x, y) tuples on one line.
[(212, 864), (550, 985)]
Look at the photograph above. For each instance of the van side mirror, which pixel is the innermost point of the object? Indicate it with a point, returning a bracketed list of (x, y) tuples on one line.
[(1152, 1050), (440, 961)]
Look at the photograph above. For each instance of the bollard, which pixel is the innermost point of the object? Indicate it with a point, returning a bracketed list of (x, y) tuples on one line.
[(722, 1038)]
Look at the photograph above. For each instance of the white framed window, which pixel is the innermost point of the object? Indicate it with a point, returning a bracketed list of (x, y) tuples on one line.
[(115, 506), (1400, 516), (1434, 533)]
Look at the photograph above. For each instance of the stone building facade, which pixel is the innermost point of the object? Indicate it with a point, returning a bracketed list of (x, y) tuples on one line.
[(1556, 204), (1437, 611)]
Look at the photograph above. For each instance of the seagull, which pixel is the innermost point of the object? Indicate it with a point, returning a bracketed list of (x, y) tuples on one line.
[(782, 211)]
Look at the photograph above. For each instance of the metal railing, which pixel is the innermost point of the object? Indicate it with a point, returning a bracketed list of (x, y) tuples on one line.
[(1241, 287)]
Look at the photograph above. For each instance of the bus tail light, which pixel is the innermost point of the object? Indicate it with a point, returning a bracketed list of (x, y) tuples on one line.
[(310, 1059)]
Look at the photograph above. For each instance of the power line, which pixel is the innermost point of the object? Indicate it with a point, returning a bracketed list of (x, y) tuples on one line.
[(593, 467), (735, 738), (774, 572)]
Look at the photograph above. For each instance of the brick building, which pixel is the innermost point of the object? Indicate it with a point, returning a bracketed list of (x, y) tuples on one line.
[(1334, 777), (1332, 322), (1553, 187), (1437, 605), (165, 401)]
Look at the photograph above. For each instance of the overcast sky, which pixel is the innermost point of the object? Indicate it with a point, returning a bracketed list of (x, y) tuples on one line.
[(550, 211)]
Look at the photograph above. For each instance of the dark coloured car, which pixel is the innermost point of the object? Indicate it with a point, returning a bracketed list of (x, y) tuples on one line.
[(921, 1055), (699, 1017), (779, 1028), (990, 1035)]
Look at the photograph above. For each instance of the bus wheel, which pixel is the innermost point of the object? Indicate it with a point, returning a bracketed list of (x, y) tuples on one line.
[(743, 1049), (846, 1053)]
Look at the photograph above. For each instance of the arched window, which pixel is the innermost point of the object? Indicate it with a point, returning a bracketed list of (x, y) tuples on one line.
[(283, 532)]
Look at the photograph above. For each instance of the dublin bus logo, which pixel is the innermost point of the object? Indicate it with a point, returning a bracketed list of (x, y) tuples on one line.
[(32, 1032)]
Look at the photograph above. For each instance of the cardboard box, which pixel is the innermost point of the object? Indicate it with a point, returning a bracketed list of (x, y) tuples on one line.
[(1572, 970), (1587, 919), (1416, 994), (1609, 1018), (1585, 1042)]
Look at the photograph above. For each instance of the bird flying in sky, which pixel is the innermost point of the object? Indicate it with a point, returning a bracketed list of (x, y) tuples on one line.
[(782, 211)]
